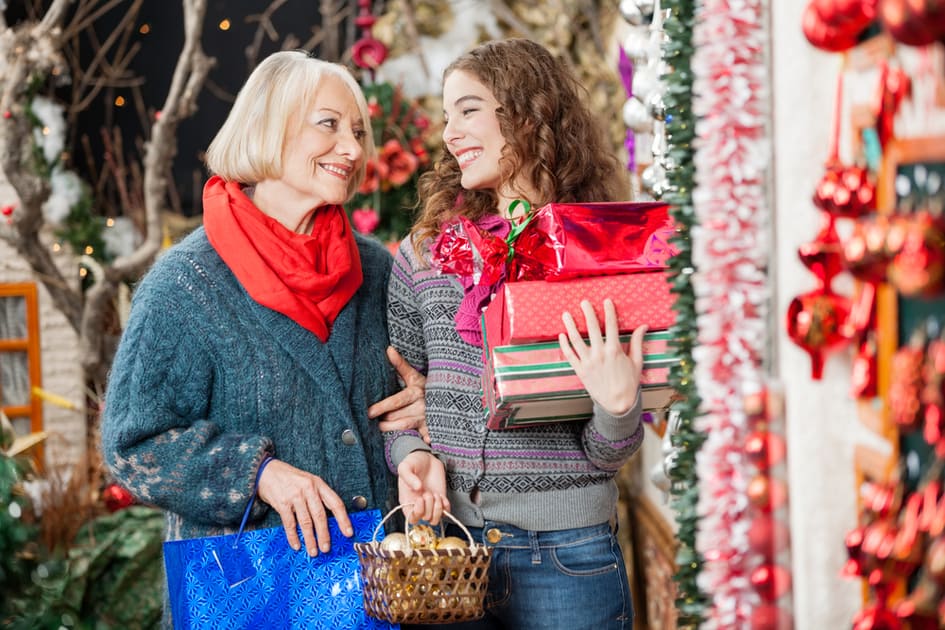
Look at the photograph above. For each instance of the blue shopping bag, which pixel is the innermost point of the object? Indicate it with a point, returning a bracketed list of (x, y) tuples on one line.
[(255, 580)]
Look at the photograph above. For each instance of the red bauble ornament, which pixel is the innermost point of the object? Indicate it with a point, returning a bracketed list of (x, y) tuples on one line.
[(765, 449), (863, 382), (823, 255), (767, 535), (906, 25), (766, 493), (7, 210), (817, 322), (769, 616), (116, 497), (905, 403), (918, 268), (876, 617), (368, 53), (771, 581), (836, 26), (846, 191)]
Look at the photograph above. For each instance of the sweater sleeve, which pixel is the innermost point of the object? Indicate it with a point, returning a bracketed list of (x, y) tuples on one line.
[(405, 323), (610, 441), (157, 439)]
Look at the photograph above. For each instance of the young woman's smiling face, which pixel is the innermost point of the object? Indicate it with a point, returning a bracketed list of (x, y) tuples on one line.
[(471, 132), (322, 157)]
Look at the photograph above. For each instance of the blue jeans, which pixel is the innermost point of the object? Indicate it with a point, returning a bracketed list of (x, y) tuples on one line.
[(573, 579)]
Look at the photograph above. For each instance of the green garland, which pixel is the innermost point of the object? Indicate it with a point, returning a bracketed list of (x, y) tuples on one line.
[(691, 603)]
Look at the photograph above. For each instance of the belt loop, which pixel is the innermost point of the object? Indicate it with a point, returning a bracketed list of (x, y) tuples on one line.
[(536, 547)]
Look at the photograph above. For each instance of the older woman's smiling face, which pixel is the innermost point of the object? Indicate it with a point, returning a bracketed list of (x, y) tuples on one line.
[(320, 160)]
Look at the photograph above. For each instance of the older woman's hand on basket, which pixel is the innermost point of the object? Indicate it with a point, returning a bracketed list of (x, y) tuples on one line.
[(610, 375), (421, 486), (303, 499), (407, 408)]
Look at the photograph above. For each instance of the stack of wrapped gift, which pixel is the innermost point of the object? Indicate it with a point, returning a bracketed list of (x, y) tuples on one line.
[(527, 379), (564, 254)]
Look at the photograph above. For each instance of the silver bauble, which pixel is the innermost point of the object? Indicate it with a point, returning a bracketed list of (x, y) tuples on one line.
[(645, 82), (632, 12), (635, 116), (637, 45), (655, 107), (651, 176)]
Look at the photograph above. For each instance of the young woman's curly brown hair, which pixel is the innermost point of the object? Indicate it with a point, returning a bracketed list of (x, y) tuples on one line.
[(553, 139)]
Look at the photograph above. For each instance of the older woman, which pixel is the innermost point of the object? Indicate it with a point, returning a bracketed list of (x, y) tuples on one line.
[(263, 333)]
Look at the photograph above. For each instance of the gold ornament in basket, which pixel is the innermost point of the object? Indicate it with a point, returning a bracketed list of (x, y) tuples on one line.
[(418, 577)]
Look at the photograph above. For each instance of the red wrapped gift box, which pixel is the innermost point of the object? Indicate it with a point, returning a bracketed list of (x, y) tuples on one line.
[(559, 241), (527, 311), (530, 384)]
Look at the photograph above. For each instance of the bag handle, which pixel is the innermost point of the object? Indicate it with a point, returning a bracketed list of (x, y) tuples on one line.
[(472, 542), (252, 499)]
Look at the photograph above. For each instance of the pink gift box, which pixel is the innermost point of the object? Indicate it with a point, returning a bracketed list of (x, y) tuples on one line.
[(528, 311), (530, 384)]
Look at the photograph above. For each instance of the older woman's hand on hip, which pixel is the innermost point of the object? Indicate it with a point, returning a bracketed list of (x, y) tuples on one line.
[(407, 408), (610, 375), (303, 499)]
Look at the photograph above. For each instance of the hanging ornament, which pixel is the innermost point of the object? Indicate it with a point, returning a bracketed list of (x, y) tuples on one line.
[(932, 396), (823, 256), (771, 581), (765, 449), (816, 321), (836, 26), (636, 117), (655, 106), (367, 53), (874, 243), (918, 268), (767, 535), (116, 497), (636, 45), (893, 88), (913, 22), (768, 616), (637, 12), (645, 82), (904, 402), (766, 493), (863, 382), (843, 190)]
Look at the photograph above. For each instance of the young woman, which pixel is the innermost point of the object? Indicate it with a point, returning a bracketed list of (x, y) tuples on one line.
[(543, 497), (261, 337)]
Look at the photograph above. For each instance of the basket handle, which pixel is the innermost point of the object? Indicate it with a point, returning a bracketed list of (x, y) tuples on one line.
[(472, 543)]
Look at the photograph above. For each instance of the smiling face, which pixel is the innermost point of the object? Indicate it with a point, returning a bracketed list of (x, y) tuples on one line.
[(472, 134), (324, 154)]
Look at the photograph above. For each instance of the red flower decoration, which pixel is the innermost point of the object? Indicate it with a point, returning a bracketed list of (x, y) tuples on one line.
[(401, 163), (375, 172), (365, 220)]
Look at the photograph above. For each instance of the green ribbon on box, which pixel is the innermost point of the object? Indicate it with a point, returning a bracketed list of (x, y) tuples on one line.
[(517, 228)]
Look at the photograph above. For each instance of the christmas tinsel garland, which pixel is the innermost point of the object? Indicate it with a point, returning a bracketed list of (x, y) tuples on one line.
[(691, 603)]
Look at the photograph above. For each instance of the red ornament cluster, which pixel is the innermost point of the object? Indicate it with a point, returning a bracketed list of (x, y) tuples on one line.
[(838, 25), (768, 534)]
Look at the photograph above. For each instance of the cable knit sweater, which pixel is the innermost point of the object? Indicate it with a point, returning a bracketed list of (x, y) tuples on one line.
[(206, 383), (556, 476)]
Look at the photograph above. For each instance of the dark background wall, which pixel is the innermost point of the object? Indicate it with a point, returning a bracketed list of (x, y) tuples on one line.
[(160, 42)]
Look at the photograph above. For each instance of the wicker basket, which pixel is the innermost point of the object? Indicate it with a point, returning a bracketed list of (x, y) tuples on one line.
[(424, 585)]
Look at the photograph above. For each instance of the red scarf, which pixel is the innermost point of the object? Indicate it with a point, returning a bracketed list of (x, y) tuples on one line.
[(308, 278)]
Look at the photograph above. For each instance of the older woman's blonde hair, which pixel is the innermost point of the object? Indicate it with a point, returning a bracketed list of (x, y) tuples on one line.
[(271, 105)]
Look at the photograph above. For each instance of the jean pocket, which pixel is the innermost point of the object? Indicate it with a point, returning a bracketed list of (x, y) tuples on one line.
[(591, 556)]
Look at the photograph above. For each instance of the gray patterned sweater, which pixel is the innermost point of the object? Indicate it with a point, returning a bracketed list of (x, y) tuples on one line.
[(206, 383), (551, 477)]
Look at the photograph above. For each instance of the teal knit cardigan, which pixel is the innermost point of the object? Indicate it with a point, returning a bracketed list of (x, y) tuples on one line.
[(206, 383)]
